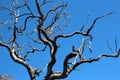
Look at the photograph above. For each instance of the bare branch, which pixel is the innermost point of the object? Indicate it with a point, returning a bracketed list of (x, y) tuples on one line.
[(39, 10), (80, 32), (69, 35), (33, 50), (25, 24), (93, 60), (29, 9), (54, 10), (116, 44), (34, 40), (8, 9), (45, 38), (54, 20), (45, 2), (109, 46), (92, 26), (24, 14), (20, 61)]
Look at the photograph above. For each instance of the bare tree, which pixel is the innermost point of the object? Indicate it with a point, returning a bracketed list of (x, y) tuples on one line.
[(38, 30)]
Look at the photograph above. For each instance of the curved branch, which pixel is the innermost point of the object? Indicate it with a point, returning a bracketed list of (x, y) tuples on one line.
[(93, 60), (80, 32), (25, 23), (67, 70), (55, 9), (89, 30), (15, 58), (45, 2), (39, 10), (69, 35), (64, 74), (46, 36), (29, 8)]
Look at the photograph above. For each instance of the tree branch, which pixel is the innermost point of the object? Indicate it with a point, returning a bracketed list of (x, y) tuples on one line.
[(93, 60), (92, 26), (18, 60), (54, 10), (80, 32)]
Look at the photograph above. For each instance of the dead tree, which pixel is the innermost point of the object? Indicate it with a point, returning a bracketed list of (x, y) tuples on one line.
[(44, 32)]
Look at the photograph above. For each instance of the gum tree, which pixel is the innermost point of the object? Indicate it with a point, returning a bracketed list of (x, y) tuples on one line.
[(37, 28)]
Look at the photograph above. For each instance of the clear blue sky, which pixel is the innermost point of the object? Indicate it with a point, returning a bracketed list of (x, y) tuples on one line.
[(105, 29)]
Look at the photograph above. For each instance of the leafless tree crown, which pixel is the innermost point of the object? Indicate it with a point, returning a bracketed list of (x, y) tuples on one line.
[(37, 30)]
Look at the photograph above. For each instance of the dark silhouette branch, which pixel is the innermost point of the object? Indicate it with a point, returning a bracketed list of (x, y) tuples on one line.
[(92, 26)]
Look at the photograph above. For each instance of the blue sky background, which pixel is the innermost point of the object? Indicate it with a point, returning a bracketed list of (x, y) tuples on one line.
[(105, 29)]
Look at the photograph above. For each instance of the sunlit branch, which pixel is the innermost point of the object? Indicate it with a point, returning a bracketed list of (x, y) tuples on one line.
[(46, 36), (13, 55), (93, 60), (44, 40)]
